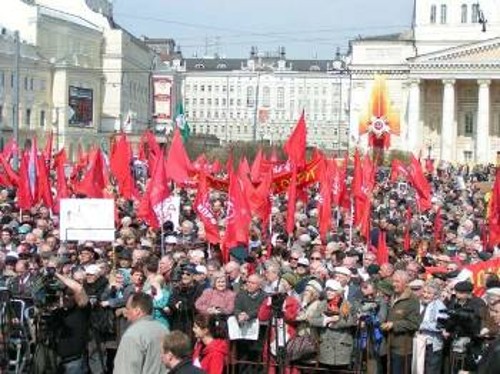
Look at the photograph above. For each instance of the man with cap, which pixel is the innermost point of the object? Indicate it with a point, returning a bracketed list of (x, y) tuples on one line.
[(86, 255), (465, 299), (351, 291), (403, 321), (302, 272)]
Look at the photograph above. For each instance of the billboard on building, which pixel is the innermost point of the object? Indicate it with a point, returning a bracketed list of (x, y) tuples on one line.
[(81, 104), (162, 96)]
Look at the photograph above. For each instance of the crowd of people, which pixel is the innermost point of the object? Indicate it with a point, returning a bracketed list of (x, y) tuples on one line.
[(157, 300)]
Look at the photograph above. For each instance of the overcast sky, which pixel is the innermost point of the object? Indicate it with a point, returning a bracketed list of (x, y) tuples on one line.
[(306, 28)]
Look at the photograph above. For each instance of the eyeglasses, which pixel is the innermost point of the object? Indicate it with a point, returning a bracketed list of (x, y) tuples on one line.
[(316, 258), (294, 259)]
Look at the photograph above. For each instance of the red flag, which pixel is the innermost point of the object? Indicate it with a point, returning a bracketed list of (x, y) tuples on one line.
[(398, 170), (363, 182), (149, 150), (255, 170), (420, 184), (43, 190), (438, 227), (10, 149), (494, 212), (120, 163), (178, 163), (151, 207), (93, 182), (24, 198), (204, 210), (292, 197), (238, 217), (47, 152), (382, 251), (429, 165), (259, 197), (60, 160), (11, 179), (243, 167), (295, 146), (325, 200)]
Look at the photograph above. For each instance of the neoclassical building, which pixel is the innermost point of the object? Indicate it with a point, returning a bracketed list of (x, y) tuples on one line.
[(444, 76)]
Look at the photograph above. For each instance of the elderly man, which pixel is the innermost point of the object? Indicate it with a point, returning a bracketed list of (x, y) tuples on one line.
[(232, 269), (402, 323), (351, 291), (246, 308)]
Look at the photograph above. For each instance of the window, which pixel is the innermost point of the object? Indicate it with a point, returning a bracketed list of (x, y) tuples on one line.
[(12, 81), (2, 78), (186, 101), (468, 156), (42, 118), (464, 13), (202, 88), (202, 101), (266, 97), (209, 102), (469, 124), (433, 14), (28, 117), (250, 97), (216, 102), (209, 88), (26, 83), (443, 13), (281, 98), (32, 84), (475, 13)]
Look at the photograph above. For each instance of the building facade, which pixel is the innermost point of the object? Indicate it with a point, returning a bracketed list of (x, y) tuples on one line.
[(443, 74), (261, 98), (99, 73)]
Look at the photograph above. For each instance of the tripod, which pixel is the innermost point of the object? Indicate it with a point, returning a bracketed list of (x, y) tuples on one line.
[(278, 323)]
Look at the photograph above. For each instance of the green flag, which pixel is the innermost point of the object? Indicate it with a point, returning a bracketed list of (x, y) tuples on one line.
[(181, 123)]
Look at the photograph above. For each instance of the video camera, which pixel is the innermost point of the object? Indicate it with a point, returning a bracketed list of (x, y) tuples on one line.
[(46, 290), (460, 322), (277, 301)]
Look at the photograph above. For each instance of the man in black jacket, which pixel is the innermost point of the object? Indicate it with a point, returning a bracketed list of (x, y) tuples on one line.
[(177, 354)]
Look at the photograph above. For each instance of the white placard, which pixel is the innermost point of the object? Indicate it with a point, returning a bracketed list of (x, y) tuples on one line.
[(169, 210), (245, 331), (87, 219)]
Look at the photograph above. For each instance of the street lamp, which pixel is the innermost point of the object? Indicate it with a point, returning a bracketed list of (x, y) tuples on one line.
[(429, 143), (339, 68)]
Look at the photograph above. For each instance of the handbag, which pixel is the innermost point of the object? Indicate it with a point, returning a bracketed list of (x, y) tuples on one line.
[(301, 348)]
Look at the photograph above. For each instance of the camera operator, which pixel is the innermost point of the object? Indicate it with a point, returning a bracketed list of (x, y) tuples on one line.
[(67, 325), (490, 361), (463, 325)]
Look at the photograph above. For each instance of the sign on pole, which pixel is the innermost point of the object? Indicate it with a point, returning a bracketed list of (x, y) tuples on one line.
[(87, 219)]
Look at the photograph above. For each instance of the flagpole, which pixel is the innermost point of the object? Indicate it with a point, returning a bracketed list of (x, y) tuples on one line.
[(351, 222)]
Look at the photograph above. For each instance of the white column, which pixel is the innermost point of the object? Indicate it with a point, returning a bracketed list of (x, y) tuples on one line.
[(448, 126), (483, 122), (414, 131)]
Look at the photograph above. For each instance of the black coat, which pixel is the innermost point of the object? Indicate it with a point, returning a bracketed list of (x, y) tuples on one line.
[(186, 367)]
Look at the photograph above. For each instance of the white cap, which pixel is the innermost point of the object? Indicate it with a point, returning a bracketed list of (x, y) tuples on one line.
[(92, 269), (170, 240), (342, 270), (417, 283), (200, 269), (334, 285), (303, 261)]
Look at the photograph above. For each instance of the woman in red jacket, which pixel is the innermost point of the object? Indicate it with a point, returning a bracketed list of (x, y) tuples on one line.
[(211, 349)]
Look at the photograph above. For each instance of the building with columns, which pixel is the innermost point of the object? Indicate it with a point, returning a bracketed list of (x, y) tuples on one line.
[(443, 74)]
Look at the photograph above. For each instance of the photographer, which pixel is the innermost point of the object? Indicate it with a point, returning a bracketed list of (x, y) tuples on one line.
[(65, 330)]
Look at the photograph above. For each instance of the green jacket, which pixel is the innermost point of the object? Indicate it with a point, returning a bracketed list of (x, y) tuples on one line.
[(405, 317)]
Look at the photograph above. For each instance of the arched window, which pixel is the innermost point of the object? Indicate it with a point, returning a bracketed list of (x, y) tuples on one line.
[(464, 13), (444, 9), (475, 13), (433, 14)]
